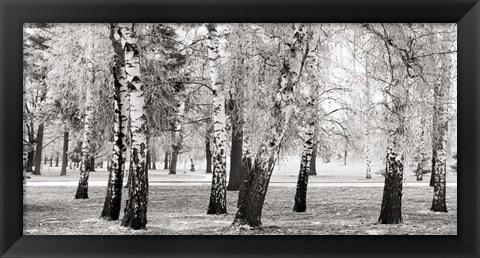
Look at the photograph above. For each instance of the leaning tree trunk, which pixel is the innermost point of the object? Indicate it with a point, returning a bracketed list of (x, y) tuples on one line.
[(86, 164), (249, 213), (440, 143), (313, 160), (302, 183), (236, 176), (135, 215), (218, 195), (246, 170), (116, 168), (38, 149)]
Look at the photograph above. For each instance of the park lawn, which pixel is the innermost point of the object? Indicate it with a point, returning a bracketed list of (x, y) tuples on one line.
[(181, 210)]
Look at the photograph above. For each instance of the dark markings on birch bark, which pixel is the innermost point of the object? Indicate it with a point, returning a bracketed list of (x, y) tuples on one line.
[(218, 194), (249, 213), (440, 127), (116, 167), (391, 211), (135, 212)]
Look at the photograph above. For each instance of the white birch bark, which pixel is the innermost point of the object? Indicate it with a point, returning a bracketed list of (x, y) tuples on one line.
[(440, 140), (250, 211), (218, 199), (111, 209), (85, 165), (135, 215)]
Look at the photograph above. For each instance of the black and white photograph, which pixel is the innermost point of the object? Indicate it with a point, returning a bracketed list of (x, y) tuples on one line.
[(239, 129)]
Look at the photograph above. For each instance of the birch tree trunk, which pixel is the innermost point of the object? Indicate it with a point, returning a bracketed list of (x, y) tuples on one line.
[(135, 213), (368, 140), (116, 168), (249, 213), (218, 195), (308, 132), (86, 163), (391, 210), (440, 127), (421, 153)]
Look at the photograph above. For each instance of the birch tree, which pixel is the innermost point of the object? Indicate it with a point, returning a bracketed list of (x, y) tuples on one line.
[(218, 196), (111, 207), (86, 165), (135, 213), (249, 211), (440, 128)]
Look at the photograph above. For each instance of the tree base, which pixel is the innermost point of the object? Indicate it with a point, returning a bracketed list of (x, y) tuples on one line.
[(438, 208), (81, 196)]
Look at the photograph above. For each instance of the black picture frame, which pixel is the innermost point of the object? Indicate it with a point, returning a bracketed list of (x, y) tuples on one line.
[(466, 13)]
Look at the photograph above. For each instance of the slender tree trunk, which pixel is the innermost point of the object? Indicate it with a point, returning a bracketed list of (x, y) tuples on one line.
[(57, 161), (116, 167), (63, 171), (368, 156), (31, 153), (38, 149), (302, 183), (135, 215), (86, 164), (440, 127), (153, 155), (45, 160), (165, 160), (249, 213), (368, 140), (218, 195), (422, 154), (208, 154)]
